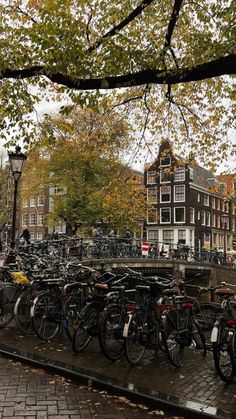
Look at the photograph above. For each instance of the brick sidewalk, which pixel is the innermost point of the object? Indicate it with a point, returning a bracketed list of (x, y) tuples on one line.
[(31, 393), (193, 386)]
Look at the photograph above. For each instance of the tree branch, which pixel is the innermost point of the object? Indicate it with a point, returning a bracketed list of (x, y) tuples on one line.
[(122, 24), (215, 68)]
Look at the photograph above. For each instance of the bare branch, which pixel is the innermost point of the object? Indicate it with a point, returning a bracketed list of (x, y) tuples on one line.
[(215, 68), (171, 27), (122, 24), (87, 28)]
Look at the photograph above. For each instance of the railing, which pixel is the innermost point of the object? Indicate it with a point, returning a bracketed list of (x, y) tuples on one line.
[(119, 247)]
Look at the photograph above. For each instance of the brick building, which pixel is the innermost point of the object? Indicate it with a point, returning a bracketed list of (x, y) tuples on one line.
[(188, 204)]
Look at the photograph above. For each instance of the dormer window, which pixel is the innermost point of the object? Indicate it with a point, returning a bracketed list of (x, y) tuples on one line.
[(165, 161)]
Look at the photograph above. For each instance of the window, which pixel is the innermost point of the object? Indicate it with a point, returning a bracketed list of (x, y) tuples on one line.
[(208, 219), (151, 177), (58, 191), (24, 219), (179, 215), (213, 220), (218, 203), (182, 236), (152, 195), (40, 219), (165, 194), (165, 215), (168, 236), (226, 206), (40, 200), (179, 174), (39, 236), (206, 200), (152, 215), (198, 197), (198, 215), (152, 235), (192, 215), (179, 193), (32, 201), (32, 219), (165, 176), (218, 221), (31, 236), (25, 202), (191, 173), (165, 161), (203, 218)]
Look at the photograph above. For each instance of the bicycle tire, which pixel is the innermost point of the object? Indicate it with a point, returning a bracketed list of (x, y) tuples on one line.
[(205, 315), (88, 319), (22, 311), (72, 308), (6, 309), (111, 332), (44, 324), (134, 348), (174, 349), (198, 338), (222, 354)]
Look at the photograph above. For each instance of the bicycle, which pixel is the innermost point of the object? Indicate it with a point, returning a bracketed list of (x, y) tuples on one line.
[(223, 335)]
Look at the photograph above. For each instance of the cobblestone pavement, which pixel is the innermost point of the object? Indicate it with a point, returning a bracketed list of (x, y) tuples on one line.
[(194, 385), (31, 393)]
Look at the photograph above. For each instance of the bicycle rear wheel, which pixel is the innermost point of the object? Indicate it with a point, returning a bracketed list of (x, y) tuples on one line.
[(44, 313), (111, 332), (87, 321), (134, 347), (222, 353), (170, 338)]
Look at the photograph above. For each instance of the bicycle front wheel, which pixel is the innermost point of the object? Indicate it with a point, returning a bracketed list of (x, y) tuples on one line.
[(133, 344), (222, 353), (43, 315), (111, 332), (86, 323), (22, 311), (170, 338)]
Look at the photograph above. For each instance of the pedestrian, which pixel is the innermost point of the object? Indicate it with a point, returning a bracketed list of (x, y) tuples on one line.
[(26, 235)]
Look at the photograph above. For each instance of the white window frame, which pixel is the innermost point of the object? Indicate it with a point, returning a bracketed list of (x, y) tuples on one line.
[(32, 201), (25, 203), (179, 222), (163, 187), (148, 196), (206, 200), (213, 202), (175, 187), (164, 181), (39, 235), (25, 216), (190, 173), (40, 215), (151, 174), (30, 219), (208, 219), (181, 172), (198, 197), (213, 220), (192, 215), (203, 218), (155, 233), (162, 209), (154, 210), (40, 201), (165, 165), (170, 241)]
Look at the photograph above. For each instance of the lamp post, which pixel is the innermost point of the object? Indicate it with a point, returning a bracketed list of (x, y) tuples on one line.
[(17, 160), (224, 220)]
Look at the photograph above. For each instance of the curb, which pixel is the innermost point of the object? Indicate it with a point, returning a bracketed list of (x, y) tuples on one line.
[(170, 404)]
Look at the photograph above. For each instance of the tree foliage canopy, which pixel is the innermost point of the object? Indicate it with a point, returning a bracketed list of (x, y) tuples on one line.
[(169, 63), (81, 157)]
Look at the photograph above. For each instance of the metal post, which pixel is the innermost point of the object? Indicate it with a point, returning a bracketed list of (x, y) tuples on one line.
[(225, 253), (13, 228)]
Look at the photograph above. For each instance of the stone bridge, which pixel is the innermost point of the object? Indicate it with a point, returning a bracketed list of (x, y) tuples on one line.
[(212, 274)]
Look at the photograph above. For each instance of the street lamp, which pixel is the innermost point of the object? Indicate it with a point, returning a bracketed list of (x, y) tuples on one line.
[(17, 160), (224, 220)]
